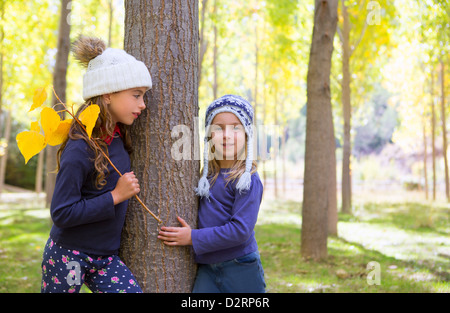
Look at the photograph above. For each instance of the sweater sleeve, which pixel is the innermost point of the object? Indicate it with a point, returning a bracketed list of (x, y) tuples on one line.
[(69, 208), (240, 226)]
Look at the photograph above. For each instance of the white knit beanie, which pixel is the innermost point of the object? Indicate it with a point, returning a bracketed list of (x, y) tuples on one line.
[(114, 70), (108, 70)]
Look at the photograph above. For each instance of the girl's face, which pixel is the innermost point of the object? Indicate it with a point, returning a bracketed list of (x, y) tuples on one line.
[(126, 106), (228, 138)]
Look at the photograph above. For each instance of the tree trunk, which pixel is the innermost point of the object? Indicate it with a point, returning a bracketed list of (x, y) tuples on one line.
[(346, 103), (203, 44), (39, 171), (59, 84), (332, 188), (164, 35), (433, 134), (4, 157), (215, 53), (425, 174), (318, 133), (275, 146), (444, 132)]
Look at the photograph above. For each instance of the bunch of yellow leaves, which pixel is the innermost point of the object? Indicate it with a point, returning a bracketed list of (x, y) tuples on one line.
[(55, 130)]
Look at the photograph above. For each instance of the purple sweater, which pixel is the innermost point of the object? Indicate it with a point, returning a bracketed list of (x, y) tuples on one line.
[(226, 221)]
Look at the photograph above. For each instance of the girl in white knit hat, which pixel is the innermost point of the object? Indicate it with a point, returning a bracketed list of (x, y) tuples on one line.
[(231, 191), (90, 199)]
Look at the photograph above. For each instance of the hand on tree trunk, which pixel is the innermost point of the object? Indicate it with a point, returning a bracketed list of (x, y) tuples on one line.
[(176, 236)]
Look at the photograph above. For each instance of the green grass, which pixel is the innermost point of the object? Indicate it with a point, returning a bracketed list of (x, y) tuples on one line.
[(410, 241), (23, 234)]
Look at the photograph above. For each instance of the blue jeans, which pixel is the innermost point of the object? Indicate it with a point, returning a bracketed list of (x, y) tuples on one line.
[(240, 275)]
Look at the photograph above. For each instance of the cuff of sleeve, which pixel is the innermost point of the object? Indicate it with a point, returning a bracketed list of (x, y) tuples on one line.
[(194, 239)]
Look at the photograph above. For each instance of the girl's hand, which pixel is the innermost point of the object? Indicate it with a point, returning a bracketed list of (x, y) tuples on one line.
[(176, 236), (127, 187)]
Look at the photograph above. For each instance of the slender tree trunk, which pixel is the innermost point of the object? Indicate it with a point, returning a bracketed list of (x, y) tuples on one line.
[(264, 144), (283, 159), (276, 146), (255, 109), (433, 134), (346, 103), (425, 174), (215, 53), (203, 42), (318, 133), (4, 157), (332, 188), (59, 84), (164, 35), (444, 132), (111, 15), (39, 171)]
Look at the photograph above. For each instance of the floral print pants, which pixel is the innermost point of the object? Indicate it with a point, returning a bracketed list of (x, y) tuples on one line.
[(64, 271)]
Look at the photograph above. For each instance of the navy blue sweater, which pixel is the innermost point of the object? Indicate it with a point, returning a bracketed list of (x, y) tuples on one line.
[(85, 218), (226, 221)]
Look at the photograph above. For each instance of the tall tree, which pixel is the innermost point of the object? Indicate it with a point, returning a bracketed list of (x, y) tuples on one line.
[(362, 34), (59, 84), (318, 133), (165, 36)]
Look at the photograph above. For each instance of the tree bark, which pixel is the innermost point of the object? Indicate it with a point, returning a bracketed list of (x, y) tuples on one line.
[(318, 133), (59, 84), (164, 35)]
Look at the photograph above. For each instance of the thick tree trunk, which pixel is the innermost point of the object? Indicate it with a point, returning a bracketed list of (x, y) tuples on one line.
[(59, 84), (318, 133), (164, 35)]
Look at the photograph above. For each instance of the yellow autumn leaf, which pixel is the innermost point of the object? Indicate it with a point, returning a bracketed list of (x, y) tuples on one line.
[(30, 143), (35, 127), (40, 95), (49, 121), (60, 134), (89, 117)]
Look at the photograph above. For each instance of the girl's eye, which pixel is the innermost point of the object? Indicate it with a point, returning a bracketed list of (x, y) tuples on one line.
[(216, 128), (137, 96), (237, 128)]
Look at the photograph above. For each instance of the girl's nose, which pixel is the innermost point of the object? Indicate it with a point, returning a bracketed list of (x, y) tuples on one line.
[(227, 132), (142, 105)]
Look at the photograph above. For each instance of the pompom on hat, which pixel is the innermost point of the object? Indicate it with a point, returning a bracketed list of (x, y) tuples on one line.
[(108, 70), (244, 112)]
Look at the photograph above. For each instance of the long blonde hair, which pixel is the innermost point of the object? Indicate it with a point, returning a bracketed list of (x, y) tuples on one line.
[(104, 127)]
